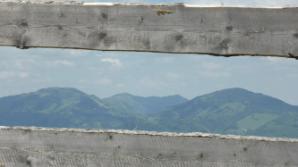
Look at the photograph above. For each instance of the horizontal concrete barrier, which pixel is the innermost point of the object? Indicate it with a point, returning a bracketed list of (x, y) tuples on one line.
[(37, 147), (225, 31)]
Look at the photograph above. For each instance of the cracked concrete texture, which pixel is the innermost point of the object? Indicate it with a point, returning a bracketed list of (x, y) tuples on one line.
[(220, 31), (41, 147)]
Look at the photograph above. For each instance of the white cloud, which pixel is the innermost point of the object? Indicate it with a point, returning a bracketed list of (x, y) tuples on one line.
[(23, 75), (5, 75), (275, 59), (112, 61), (171, 75), (103, 81), (149, 83), (215, 74), (120, 85), (64, 63), (213, 70), (210, 66), (24, 64)]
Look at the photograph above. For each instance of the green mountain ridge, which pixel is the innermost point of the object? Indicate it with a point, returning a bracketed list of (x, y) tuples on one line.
[(233, 111), (229, 111), (142, 105)]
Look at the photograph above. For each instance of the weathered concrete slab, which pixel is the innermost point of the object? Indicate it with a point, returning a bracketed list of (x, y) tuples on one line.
[(226, 31), (76, 148)]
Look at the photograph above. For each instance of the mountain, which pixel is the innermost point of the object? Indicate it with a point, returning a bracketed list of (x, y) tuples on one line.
[(230, 111), (59, 107), (69, 107), (142, 105), (233, 111)]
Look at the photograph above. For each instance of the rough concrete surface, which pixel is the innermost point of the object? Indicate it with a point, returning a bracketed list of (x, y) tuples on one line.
[(226, 31), (37, 147)]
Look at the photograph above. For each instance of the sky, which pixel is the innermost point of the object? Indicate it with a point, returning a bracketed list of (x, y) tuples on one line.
[(145, 74), (148, 74)]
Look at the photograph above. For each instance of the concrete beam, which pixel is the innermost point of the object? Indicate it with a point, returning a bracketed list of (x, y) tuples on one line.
[(34, 147), (224, 31)]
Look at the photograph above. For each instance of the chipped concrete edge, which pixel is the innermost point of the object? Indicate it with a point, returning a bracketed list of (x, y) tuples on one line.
[(151, 133)]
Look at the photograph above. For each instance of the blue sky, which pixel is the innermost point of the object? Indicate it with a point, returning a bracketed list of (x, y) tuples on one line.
[(146, 74)]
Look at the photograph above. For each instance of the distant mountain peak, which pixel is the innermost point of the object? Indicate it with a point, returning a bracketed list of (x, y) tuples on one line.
[(49, 89), (234, 90), (176, 96), (144, 105), (59, 90), (124, 94)]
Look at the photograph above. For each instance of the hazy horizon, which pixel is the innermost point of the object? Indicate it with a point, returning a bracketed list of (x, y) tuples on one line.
[(146, 96)]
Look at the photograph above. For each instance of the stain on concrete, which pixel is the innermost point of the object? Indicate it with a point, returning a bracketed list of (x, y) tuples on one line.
[(109, 137), (21, 42), (22, 23), (181, 41), (292, 56), (109, 41), (51, 157), (27, 130), (77, 21), (245, 149), (59, 27), (202, 20), (295, 35), (247, 33), (147, 44), (175, 41), (104, 16), (28, 162), (201, 155), (62, 15), (102, 35), (159, 156), (164, 12), (96, 39), (224, 44), (24, 159), (229, 28), (179, 37), (141, 20)]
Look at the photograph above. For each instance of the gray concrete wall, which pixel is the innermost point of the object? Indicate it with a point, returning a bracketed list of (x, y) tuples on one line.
[(34, 147), (223, 31)]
